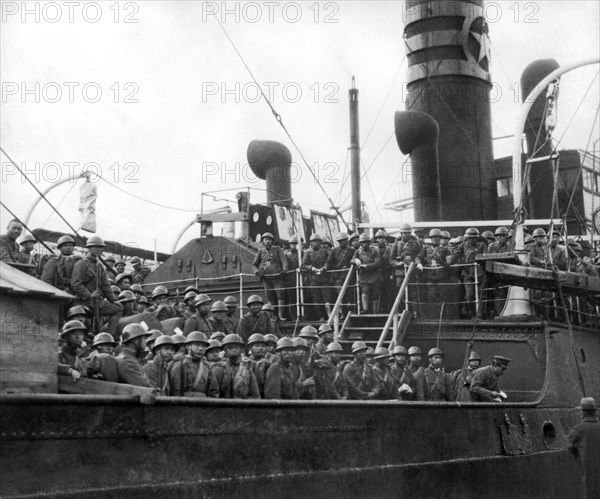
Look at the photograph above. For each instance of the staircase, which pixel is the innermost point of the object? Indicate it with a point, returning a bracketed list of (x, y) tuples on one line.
[(365, 328)]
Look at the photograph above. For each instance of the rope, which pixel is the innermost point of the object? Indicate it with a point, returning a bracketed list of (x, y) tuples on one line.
[(26, 228), (60, 202)]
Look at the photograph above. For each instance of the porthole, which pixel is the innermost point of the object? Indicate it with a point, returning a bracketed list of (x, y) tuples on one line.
[(255, 217), (548, 433), (269, 220)]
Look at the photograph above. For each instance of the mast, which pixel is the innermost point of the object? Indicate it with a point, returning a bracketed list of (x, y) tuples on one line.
[(355, 157)]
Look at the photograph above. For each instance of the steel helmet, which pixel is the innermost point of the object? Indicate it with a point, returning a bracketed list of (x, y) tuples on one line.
[(382, 353), (196, 337), (308, 332), (267, 235), (121, 276), (285, 343), (120, 262), (95, 242), (76, 310), (414, 351), (230, 300), (136, 288), (474, 356), (143, 299), (212, 344), (357, 346), (399, 350), (539, 232), (267, 307), (71, 326), (64, 240), (218, 306), (256, 338), (125, 296), (341, 236), (254, 299), (315, 237), (435, 233), (270, 338), (501, 231), (300, 342), (116, 289), (191, 288), (163, 339), (133, 331), (510, 233), (364, 237), (326, 240), (159, 291), (380, 233), (294, 239), (529, 240), (460, 239), (178, 339), (200, 299), (334, 347), (217, 336), (488, 234), (324, 328), (471, 232), (434, 351), (103, 339), (189, 295), (404, 227), (445, 234), (353, 236), (26, 238), (136, 259), (110, 258), (232, 339), (154, 334), (370, 352)]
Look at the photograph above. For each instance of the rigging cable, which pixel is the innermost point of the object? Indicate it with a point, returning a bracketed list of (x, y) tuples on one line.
[(60, 202), (26, 228)]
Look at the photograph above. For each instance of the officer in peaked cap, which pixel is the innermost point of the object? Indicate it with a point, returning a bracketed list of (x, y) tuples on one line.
[(484, 383), (359, 376), (129, 361), (271, 266)]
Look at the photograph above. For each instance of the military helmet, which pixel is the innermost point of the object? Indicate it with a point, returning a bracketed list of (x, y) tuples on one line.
[(435, 351), (103, 339), (294, 239), (414, 351), (300, 342), (268, 307), (196, 337), (232, 339), (191, 288), (404, 227), (488, 234), (334, 347), (76, 310), (326, 240), (178, 339), (267, 235), (218, 306), (95, 241), (445, 234), (202, 298), (399, 350), (189, 295), (256, 338), (285, 342), (217, 335), (471, 232), (341, 236), (125, 296), (501, 231), (460, 239), (212, 344), (121, 276), (230, 300), (382, 353), (110, 258), (159, 291), (308, 332), (539, 232), (353, 236), (143, 299), (271, 338), (364, 237), (474, 356), (358, 346), (136, 259), (115, 289), (136, 288), (254, 299), (324, 328), (380, 233), (133, 331), (435, 233), (529, 240), (154, 335), (315, 237), (510, 234), (64, 240), (163, 339), (370, 352), (71, 326)]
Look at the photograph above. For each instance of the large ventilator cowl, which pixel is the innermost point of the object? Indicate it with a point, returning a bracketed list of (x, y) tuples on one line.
[(417, 135), (271, 161)]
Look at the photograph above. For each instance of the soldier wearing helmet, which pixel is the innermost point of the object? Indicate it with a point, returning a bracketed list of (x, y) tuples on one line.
[(129, 361), (26, 255), (461, 379), (123, 281), (316, 279), (219, 321), (367, 261), (137, 274), (405, 250), (404, 379), (179, 343), (90, 284), (557, 253), (142, 304), (329, 379), (433, 254), (445, 238), (101, 362), (72, 334), (271, 266), (359, 376), (438, 382), (387, 283), (200, 320), (325, 338), (160, 307), (213, 352), (271, 340), (190, 375), (353, 240), (9, 249), (502, 242), (387, 387), (279, 380), (163, 351), (59, 269), (188, 305), (488, 235), (233, 378), (232, 311), (414, 367), (338, 263), (254, 321), (293, 257), (127, 301), (301, 368), (269, 310), (257, 345)]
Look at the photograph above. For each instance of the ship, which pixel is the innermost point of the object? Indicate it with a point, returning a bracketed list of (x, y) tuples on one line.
[(98, 439)]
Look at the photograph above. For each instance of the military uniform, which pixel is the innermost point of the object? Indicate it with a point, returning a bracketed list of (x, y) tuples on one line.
[(461, 384), (67, 361), (369, 277), (483, 383), (136, 277), (131, 370), (233, 381), (500, 247), (198, 323), (404, 377), (9, 250), (58, 271), (272, 261), (293, 258), (361, 381), (280, 383), (401, 254), (421, 387), (585, 442), (189, 375), (339, 261), (438, 384), (157, 372), (387, 384), (162, 312), (259, 368), (102, 366), (318, 283), (225, 326), (251, 324), (329, 381), (467, 253), (387, 283)]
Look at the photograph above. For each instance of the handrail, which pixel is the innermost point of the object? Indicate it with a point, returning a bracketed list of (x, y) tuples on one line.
[(346, 320), (396, 304), (338, 302)]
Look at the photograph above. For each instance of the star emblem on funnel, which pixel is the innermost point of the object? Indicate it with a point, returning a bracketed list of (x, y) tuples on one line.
[(477, 43)]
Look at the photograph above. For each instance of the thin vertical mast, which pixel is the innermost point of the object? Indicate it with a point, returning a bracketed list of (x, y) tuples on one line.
[(355, 156)]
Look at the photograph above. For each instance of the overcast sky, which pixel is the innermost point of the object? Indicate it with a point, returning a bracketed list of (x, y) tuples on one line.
[(154, 94)]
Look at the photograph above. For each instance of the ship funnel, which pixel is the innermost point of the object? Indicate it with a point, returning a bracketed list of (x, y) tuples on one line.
[(541, 174), (417, 134), (271, 161)]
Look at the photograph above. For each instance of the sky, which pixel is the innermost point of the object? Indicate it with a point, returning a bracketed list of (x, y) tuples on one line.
[(152, 95)]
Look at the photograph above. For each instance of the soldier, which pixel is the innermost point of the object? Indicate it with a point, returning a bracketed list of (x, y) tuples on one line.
[(317, 280), (154, 335), (338, 263), (137, 276), (232, 307), (370, 356), (310, 335), (270, 266), (110, 265), (123, 281), (585, 442), (137, 291), (325, 338), (271, 340), (404, 379), (353, 241), (484, 382), (129, 363), (269, 310), (200, 320), (539, 255), (366, 260), (213, 352), (557, 253), (179, 343), (217, 335), (163, 351), (436, 257), (387, 283), (445, 238), (190, 375), (359, 376), (119, 267), (466, 254), (387, 384), (489, 237), (59, 269), (160, 305), (9, 249), (461, 379), (254, 321), (418, 374), (188, 303), (78, 313), (218, 320), (301, 368), (433, 254), (27, 243), (232, 378), (73, 333), (438, 382), (501, 243), (329, 380), (279, 381), (101, 363), (326, 244), (293, 257), (142, 304), (90, 284), (257, 345), (127, 301), (404, 251)]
